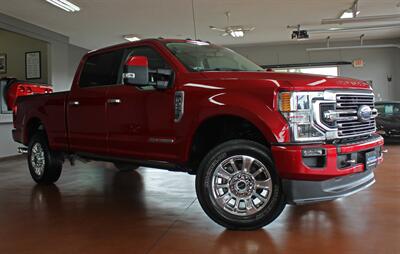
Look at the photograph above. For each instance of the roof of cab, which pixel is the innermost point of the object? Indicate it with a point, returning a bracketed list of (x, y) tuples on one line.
[(125, 44)]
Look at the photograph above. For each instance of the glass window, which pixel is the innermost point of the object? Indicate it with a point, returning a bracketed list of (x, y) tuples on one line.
[(380, 108), (156, 61), (101, 69), (396, 108), (202, 56), (388, 109)]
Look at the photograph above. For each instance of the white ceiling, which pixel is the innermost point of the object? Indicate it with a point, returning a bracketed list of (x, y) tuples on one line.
[(104, 22)]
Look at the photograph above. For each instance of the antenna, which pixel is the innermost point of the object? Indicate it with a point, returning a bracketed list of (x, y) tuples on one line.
[(194, 21)]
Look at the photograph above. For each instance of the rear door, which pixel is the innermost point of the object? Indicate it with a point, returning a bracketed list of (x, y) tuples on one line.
[(88, 100)]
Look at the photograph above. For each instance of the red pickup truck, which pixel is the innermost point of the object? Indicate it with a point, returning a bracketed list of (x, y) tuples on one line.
[(256, 140)]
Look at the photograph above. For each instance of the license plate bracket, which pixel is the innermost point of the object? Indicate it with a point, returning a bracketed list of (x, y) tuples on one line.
[(371, 160)]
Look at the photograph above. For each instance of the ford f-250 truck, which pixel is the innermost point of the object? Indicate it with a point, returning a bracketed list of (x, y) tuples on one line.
[(256, 140)]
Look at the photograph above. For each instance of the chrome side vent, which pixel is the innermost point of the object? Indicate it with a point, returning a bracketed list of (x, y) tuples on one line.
[(179, 105)]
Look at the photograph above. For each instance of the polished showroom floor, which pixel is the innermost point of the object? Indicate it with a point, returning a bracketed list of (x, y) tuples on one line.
[(96, 209)]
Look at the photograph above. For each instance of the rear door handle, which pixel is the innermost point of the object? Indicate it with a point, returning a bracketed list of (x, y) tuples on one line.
[(114, 101), (74, 103)]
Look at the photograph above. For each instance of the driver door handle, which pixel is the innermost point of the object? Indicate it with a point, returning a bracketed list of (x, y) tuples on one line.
[(74, 103), (114, 101)]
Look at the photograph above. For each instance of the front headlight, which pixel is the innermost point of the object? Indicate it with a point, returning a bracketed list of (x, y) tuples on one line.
[(296, 107)]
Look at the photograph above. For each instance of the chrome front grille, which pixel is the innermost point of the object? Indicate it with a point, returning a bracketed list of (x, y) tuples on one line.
[(348, 123)]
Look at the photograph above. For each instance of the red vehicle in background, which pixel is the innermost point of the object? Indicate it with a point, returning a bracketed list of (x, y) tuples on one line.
[(13, 88), (256, 140)]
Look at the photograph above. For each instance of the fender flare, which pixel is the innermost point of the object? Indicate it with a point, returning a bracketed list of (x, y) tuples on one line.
[(260, 116)]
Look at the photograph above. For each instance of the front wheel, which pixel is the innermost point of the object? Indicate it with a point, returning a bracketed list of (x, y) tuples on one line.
[(238, 187)]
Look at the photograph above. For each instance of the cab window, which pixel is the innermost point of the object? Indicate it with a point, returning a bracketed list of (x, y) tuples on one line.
[(156, 62), (101, 69)]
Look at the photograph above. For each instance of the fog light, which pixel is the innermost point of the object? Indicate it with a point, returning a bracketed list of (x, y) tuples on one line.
[(313, 152)]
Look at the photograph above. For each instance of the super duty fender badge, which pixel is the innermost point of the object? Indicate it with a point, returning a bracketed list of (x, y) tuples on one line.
[(179, 105)]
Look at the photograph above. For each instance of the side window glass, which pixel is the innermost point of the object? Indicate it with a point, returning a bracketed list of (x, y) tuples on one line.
[(396, 109), (389, 109), (381, 109), (156, 61), (101, 69)]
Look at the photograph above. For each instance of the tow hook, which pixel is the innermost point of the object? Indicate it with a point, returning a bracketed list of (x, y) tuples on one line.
[(22, 150)]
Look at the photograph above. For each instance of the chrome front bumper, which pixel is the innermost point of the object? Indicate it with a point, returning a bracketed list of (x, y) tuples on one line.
[(302, 192)]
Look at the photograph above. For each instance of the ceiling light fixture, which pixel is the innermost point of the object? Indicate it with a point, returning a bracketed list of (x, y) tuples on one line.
[(353, 29), (236, 33), (131, 37), (233, 31), (349, 14), (378, 18), (65, 5)]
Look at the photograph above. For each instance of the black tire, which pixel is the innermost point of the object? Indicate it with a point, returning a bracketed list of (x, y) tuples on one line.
[(125, 167), (273, 207), (53, 161)]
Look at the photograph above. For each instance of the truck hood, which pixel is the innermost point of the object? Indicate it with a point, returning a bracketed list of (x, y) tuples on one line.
[(292, 81)]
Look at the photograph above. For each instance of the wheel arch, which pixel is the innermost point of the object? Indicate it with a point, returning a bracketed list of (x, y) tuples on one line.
[(215, 129), (32, 126)]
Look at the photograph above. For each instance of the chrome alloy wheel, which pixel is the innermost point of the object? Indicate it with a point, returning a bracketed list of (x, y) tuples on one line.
[(241, 185), (37, 159)]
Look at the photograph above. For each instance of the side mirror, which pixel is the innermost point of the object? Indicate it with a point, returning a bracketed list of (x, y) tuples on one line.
[(136, 71)]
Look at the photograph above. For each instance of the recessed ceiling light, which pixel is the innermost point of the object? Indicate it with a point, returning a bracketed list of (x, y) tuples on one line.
[(131, 37), (236, 33), (65, 5), (349, 14)]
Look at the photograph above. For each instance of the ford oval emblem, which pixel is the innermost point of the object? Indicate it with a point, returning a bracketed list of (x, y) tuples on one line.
[(364, 113)]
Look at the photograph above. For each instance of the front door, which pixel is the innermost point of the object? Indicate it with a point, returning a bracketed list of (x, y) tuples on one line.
[(141, 119)]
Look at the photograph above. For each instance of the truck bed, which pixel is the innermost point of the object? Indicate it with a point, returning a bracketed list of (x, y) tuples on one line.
[(50, 108)]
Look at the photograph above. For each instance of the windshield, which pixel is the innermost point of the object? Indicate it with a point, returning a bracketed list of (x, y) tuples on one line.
[(202, 56)]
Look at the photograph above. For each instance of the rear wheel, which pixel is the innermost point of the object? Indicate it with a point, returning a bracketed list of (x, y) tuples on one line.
[(237, 186), (125, 167), (44, 165)]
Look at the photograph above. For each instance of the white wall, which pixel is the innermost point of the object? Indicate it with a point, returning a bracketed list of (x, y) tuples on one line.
[(379, 63), (15, 46), (74, 57), (62, 61)]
